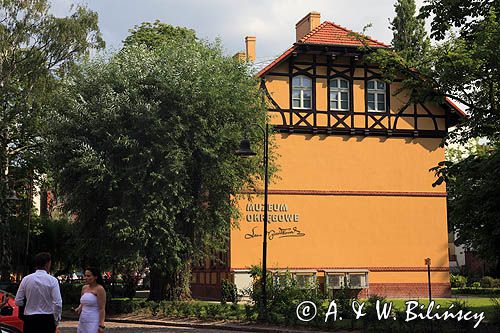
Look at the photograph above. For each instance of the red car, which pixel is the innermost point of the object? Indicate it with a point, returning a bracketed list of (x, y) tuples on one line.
[(9, 314)]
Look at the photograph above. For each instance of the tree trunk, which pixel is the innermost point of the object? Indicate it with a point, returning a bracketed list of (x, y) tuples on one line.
[(158, 283), (498, 268), (179, 282), (5, 234), (5, 250)]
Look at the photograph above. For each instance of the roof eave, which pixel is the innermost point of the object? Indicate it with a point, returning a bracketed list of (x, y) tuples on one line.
[(341, 45)]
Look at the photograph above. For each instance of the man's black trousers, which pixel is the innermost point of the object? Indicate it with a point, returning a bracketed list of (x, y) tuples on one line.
[(39, 323)]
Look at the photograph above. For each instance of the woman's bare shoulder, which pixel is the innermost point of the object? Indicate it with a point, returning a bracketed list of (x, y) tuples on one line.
[(100, 289), (84, 288)]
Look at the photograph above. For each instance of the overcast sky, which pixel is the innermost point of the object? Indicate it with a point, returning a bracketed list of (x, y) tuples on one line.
[(271, 21)]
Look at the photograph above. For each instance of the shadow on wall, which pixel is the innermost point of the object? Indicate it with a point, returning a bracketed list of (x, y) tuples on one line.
[(430, 144)]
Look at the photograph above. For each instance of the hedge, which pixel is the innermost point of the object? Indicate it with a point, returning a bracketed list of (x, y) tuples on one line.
[(476, 291)]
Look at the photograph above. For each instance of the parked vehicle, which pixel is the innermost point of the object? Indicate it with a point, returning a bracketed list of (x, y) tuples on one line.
[(9, 314)]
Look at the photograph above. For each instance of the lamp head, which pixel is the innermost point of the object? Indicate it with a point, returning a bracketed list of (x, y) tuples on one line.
[(245, 149)]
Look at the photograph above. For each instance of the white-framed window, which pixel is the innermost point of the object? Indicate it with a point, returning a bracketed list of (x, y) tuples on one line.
[(305, 280), (301, 92), (339, 94), (357, 280), (302, 279), (281, 279), (376, 99), (338, 279), (335, 281)]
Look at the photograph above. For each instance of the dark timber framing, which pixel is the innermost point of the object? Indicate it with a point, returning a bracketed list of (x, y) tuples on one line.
[(376, 123)]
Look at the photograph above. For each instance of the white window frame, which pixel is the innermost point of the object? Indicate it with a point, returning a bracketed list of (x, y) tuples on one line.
[(331, 275), (301, 88), (308, 284), (345, 279), (339, 90), (364, 280), (279, 277), (379, 95)]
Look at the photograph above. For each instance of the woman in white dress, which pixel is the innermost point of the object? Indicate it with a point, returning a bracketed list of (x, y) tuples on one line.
[(92, 303)]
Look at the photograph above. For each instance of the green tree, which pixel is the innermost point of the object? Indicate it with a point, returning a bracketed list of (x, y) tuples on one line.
[(473, 193), (409, 36), (36, 48), (154, 34), (470, 70), (468, 67), (463, 65), (147, 160)]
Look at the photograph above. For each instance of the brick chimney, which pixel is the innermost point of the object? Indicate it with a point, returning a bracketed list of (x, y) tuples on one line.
[(250, 47), (240, 56), (307, 24)]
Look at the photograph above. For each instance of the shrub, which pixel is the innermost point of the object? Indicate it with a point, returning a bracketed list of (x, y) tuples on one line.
[(460, 305), (458, 281), (371, 317), (283, 296), (229, 292), (71, 293), (476, 285), (200, 310), (476, 291), (496, 308), (126, 305), (489, 282)]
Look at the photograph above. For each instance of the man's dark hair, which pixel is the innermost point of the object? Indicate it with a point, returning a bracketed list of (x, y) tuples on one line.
[(41, 259)]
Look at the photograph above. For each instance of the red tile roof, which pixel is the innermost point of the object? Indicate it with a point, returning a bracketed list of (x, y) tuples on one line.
[(329, 33)]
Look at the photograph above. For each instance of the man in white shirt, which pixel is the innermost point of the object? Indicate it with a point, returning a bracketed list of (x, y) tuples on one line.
[(41, 292)]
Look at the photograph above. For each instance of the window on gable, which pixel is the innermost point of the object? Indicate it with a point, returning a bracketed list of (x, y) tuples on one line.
[(339, 94), (301, 92), (376, 98)]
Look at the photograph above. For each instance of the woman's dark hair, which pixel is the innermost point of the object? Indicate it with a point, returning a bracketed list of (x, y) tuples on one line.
[(95, 272)]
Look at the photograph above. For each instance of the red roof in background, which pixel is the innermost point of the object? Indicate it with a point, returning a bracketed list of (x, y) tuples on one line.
[(276, 61), (456, 108), (329, 33)]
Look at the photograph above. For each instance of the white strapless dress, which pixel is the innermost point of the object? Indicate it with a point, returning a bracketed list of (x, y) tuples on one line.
[(89, 317)]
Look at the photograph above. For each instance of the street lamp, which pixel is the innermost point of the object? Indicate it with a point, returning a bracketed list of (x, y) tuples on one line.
[(246, 151), (428, 264)]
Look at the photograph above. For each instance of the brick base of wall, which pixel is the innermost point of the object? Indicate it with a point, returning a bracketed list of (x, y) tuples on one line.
[(399, 290), (407, 290), (205, 291)]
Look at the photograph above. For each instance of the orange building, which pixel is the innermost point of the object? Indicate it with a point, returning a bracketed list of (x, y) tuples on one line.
[(352, 203)]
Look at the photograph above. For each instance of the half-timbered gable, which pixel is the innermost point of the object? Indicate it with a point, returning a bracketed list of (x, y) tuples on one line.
[(346, 95)]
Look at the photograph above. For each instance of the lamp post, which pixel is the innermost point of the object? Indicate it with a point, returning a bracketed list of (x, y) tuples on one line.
[(428, 263), (246, 151)]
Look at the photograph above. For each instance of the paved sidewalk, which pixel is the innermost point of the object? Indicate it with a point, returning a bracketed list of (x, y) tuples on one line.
[(142, 321), (70, 327)]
